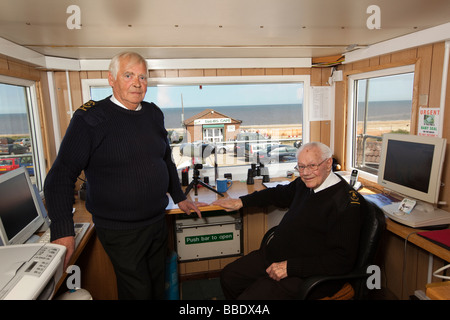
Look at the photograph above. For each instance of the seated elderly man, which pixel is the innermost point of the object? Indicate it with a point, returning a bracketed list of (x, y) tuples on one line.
[(318, 235)]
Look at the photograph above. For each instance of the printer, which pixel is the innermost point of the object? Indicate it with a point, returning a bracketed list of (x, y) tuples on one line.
[(30, 271)]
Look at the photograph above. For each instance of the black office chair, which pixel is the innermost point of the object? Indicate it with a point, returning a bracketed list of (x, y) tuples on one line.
[(373, 225)]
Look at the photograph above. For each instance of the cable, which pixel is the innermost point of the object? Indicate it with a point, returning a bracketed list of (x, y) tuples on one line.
[(404, 262), (435, 273)]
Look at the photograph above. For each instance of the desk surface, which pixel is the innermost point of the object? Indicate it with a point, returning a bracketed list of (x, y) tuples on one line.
[(236, 190), (411, 235), (241, 188)]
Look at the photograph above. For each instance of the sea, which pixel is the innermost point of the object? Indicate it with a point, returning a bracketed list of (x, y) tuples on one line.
[(249, 115)]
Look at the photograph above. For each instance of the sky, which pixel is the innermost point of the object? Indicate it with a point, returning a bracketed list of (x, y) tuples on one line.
[(389, 88), (12, 99), (218, 95)]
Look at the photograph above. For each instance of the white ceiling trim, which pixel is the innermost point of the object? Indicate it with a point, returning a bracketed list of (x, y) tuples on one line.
[(416, 39), (16, 51), (225, 63)]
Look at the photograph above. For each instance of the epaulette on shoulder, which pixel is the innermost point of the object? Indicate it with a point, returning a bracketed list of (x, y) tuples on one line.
[(91, 112), (354, 197), (87, 105)]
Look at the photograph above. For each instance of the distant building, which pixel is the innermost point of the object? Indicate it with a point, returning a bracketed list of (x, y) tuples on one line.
[(213, 126)]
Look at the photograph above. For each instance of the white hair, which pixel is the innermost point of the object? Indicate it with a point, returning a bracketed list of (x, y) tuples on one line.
[(324, 149), (133, 56)]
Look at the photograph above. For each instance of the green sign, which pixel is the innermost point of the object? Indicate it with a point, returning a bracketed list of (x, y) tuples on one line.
[(208, 238)]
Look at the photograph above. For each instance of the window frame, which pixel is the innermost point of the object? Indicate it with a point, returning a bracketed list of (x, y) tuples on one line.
[(86, 85), (351, 125), (35, 126)]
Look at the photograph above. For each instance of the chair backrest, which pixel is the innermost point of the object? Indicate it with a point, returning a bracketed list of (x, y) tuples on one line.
[(372, 227)]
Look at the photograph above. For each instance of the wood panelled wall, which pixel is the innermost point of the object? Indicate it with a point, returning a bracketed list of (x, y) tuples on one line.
[(428, 61), (404, 266)]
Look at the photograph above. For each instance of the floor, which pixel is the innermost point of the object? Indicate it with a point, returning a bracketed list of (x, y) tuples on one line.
[(209, 289), (201, 289)]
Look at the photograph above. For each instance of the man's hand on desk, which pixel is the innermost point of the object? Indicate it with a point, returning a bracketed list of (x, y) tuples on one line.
[(188, 205), (69, 243), (229, 204)]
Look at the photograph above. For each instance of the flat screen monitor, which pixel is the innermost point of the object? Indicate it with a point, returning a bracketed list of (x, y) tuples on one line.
[(20, 213), (411, 165)]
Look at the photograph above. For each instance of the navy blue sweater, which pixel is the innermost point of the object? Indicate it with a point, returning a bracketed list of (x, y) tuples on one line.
[(319, 233), (127, 162)]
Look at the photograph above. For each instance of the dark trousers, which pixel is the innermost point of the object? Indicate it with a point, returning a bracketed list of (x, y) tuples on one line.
[(246, 279), (138, 257)]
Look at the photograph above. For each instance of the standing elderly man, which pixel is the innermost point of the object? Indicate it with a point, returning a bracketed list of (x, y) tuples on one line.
[(121, 144), (318, 235)]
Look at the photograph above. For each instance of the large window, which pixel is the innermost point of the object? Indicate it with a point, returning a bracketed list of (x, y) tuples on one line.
[(244, 121), (381, 102), (20, 135)]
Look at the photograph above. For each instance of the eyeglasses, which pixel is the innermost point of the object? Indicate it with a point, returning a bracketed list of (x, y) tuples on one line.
[(312, 167)]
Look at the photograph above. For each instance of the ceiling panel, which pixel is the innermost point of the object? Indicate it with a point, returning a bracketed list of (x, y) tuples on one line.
[(211, 28)]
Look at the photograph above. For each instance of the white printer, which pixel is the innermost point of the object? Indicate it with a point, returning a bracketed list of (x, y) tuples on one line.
[(30, 271)]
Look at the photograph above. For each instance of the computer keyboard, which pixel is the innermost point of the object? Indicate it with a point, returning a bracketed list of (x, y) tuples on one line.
[(80, 230)]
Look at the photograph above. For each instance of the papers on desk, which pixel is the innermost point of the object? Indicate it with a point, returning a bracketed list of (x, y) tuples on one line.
[(276, 183), (380, 199), (171, 204)]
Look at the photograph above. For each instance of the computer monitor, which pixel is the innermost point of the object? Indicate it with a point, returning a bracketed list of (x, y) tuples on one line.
[(411, 165), (20, 213)]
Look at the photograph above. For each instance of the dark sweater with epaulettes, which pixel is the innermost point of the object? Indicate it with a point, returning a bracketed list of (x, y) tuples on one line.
[(128, 166), (319, 233)]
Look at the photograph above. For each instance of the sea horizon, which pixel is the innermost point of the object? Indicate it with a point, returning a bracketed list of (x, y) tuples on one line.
[(280, 114)]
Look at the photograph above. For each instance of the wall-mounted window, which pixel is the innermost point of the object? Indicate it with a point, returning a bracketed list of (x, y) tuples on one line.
[(244, 120), (20, 135), (379, 102)]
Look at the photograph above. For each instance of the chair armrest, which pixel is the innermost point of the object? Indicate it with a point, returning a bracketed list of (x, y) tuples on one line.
[(313, 281)]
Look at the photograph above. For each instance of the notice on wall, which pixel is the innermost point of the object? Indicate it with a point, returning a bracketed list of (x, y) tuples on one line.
[(320, 106), (428, 122)]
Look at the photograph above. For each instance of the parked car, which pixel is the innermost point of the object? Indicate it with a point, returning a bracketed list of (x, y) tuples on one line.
[(197, 149), (18, 149), (5, 143), (223, 147), (276, 153), (248, 143), (26, 142), (9, 164), (7, 146), (27, 162)]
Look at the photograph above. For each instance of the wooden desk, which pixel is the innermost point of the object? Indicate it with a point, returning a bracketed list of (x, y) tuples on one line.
[(405, 270), (238, 189), (407, 259), (97, 273), (411, 235), (254, 224), (439, 290)]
